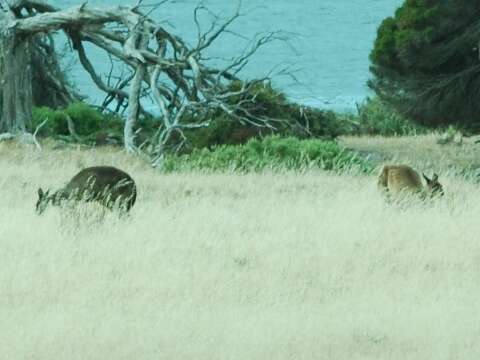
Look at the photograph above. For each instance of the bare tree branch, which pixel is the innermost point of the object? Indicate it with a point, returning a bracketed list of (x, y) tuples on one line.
[(175, 76), (34, 135), (135, 90)]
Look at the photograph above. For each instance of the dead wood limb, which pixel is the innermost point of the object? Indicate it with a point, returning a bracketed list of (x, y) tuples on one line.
[(137, 36), (161, 64)]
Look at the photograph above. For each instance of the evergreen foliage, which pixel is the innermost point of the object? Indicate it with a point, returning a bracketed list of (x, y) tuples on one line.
[(425, 61)]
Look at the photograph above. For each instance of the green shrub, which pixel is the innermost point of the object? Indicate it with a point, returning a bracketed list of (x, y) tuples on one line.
[(273, 152), (86, 119), (55, 122), (89, 123), (377, 118), (296, 120), (223, 131), (93, 127)]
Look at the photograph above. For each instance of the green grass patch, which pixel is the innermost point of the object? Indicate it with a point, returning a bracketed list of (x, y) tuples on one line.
[(269, 153)]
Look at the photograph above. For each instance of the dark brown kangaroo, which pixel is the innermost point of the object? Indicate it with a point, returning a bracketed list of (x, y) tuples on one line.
[(104, 184)]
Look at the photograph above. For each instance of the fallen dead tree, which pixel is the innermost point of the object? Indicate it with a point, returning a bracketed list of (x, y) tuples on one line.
[(161, 66)]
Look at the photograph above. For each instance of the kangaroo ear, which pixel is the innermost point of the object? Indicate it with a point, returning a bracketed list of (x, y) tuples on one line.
[(435, 177), (426, 178), (40, 193)]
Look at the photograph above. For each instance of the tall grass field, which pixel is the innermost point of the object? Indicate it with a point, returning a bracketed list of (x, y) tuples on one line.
[(266, 265)]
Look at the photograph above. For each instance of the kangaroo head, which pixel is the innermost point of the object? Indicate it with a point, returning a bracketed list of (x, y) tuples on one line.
[(45, 198), (433, 186)]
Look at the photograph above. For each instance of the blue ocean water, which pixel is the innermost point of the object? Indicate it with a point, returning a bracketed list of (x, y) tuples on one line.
[(327, 48)]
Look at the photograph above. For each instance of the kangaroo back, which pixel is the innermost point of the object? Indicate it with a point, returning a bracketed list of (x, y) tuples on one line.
[(103, 183), (399, 178)]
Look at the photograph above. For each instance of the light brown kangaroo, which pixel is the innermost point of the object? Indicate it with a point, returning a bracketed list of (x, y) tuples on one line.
[(398, 179)]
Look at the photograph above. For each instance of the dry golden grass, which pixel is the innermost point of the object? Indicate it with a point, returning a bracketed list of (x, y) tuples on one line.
[(272, 266), (421, 152)]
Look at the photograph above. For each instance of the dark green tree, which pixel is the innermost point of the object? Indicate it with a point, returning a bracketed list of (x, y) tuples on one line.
[(426, 61)]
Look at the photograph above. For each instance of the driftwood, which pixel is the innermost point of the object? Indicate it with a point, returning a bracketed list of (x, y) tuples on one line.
[(162, 66)]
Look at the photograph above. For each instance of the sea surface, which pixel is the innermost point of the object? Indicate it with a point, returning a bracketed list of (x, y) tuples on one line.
[(326, 46)]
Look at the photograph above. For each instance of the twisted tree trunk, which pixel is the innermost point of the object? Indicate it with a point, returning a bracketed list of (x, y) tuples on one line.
[(16, 81)]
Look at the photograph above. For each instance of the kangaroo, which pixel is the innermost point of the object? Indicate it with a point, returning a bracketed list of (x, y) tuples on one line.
[(106, 185), (396, 179)]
